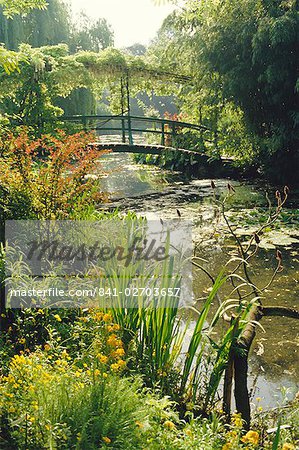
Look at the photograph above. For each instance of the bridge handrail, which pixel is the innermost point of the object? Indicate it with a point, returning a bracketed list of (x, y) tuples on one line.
[(174, 123)]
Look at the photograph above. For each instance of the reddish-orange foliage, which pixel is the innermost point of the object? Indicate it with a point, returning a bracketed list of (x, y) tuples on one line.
[(51, 172)]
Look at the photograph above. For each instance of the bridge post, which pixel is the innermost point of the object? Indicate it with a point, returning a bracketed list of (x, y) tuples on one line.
[(173, 135), (163, 134), (123, 128), (129, 109), (84, 123), (130, 129), (122, 100)]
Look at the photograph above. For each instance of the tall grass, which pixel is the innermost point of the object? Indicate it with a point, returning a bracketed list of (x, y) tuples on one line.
[(159, 335)]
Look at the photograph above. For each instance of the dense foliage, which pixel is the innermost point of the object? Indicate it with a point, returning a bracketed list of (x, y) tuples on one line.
[(244, 58), (54, 26), (12, 7)]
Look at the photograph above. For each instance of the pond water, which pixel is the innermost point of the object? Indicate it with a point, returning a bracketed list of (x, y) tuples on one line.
[(157, 193)]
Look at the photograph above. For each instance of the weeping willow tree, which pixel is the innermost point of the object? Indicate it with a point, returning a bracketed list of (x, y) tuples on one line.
[(9, 60), (27, 97), (39, 27)]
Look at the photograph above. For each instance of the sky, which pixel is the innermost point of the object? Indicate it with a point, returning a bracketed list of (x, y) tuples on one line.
[(132, 20)]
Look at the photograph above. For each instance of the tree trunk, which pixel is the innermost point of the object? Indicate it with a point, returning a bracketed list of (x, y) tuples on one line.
[(241, 388)]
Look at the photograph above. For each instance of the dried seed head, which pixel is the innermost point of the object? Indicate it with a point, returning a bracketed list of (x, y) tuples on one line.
[(230, 188), (279, 259), (278, 195), (286, 190), (256, 238)]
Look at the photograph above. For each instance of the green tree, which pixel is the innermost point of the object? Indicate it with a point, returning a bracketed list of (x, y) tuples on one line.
[(254, 48), (13, 7), (91, 35), (53, 26), (9, 8), (86, 35), (38, 28)]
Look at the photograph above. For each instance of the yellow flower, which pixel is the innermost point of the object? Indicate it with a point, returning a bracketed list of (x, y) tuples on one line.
[(22, 341), (168, 424), (231, 434), (251, 437), (107, 318), (121, 363), (114, 366), (227, 446), (47, 347), (139, 424), (288, 446), (57, 317), (119, 352), (98, 316), (237, 421), (105, 375), (83, 319), (107, 440), (188, 432), (96, 372), (114, 327), (102, 358), (113, 341), (61, 362)]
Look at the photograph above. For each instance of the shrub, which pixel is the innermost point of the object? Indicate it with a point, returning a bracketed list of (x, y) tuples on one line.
[(47, 178), (53, 403)]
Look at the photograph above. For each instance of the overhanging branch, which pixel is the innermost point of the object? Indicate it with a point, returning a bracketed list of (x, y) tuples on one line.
[(280, 311)]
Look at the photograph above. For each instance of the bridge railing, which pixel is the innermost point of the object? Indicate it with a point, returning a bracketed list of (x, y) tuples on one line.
[(126, 126)]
